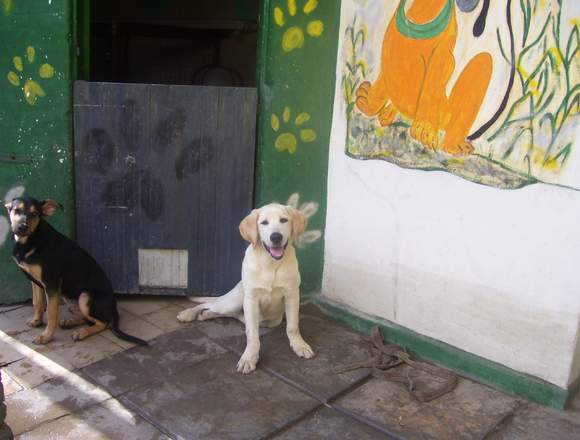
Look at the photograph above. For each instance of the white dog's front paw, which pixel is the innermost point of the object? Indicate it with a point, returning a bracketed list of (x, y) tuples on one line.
[(187, 315), (247, 362), (302, 349)]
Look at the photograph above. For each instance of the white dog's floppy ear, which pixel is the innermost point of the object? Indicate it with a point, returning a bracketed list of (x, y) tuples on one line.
[(249, 227), (49, 207), (299, 222)]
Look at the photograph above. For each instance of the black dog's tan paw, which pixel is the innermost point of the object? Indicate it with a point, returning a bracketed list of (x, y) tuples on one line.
[(79, 335), (42, 339), (34, 322)]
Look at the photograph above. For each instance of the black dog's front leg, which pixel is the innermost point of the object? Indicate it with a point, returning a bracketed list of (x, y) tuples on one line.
[(53, 299), (39, 305)]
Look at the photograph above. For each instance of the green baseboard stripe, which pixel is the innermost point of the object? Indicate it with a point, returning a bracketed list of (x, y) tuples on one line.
[(466, 364)]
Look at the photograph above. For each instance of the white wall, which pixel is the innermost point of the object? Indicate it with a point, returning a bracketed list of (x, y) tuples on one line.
[(493, 272)]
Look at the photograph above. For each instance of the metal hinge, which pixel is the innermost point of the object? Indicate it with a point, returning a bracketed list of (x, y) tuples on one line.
[(14, 158)]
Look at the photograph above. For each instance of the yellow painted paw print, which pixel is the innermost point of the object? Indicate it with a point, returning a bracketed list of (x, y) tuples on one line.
[(7, 5), (293, 37), (287, 141), (32, 90)]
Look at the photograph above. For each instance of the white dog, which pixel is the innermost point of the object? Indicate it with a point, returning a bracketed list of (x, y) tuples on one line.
[(269, 286)]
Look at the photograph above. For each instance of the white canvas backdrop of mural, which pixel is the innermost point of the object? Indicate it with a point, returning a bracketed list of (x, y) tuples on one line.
[(489, 91)]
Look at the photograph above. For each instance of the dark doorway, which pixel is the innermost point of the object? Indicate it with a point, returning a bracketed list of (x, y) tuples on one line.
[(197, 42), (165, 142)]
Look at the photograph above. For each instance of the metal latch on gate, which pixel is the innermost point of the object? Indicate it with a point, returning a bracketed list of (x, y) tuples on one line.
[(15, 158)]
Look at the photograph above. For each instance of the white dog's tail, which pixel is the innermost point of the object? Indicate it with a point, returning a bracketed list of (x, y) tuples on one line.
[(202, 299)]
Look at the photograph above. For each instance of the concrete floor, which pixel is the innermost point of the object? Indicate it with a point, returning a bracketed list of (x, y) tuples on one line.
[(185, 386)]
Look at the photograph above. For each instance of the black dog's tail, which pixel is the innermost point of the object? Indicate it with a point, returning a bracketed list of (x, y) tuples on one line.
[(121, 334)]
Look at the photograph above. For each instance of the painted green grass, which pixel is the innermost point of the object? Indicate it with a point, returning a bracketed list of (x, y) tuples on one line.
[(550, 100), (356, 68)]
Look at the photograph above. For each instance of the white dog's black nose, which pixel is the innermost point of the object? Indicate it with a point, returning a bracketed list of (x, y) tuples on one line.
[(276, 238)]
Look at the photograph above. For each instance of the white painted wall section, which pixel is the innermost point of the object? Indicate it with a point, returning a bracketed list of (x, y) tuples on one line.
[(490, 271)]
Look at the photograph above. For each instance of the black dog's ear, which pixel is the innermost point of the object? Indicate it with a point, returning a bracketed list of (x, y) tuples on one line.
[(49, 207), (8, 205)]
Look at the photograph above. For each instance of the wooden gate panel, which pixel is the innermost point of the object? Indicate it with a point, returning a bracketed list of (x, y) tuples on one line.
[(164, 168)]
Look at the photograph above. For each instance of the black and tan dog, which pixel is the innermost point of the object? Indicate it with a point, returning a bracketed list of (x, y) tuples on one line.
[(57, 266)]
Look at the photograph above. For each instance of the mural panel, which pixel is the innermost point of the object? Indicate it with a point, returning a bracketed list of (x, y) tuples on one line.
[(489, 91)]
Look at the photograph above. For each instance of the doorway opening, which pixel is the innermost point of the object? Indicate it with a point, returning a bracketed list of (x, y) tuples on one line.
[(165, 141), (201, 42)]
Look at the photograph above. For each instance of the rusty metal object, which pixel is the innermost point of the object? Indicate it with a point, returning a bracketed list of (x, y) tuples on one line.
[(385, 357)]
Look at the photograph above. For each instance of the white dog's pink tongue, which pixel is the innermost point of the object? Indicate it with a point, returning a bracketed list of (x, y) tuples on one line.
[(277, 252)]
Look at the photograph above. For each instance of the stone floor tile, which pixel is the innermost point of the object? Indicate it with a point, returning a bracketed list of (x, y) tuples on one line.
[(8, 353), (166, 318), (30, 373), (134, 326), (182, 302), (533, 422), (311, 309), (61, 337), (10, 385), (10, 307), (468, 412), (26, 335), (64, 395), (14, 322), (35, 367), (139, 305), (228, 332), (165, 356), (82, 353), (109, 420), (327, 424), (125, 345), (333, 344), (214, 401)]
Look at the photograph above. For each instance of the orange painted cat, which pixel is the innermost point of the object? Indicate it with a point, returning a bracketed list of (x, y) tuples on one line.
[(416, 65)]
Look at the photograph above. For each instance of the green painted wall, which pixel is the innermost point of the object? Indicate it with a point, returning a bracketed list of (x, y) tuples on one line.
[(297, 71), (297, 74), (35, 116)]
